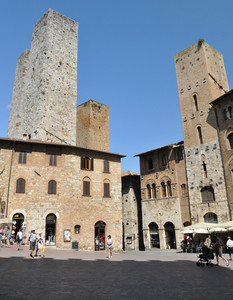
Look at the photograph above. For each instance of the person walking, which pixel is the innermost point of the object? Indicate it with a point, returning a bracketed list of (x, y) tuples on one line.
[(32, 239), (230, 246), (109, 246), (19, 237), (40, 244), (217, 243), (8, 236)]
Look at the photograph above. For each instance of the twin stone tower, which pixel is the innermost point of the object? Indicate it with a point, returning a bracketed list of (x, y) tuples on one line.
[(44, 101)]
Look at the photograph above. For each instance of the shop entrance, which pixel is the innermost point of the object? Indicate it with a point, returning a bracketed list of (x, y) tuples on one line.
[(100, 236), (170, 235), (154, 235), (19, 219), (50, 230)]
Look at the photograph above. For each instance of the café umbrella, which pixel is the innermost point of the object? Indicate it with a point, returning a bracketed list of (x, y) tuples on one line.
[(217, 229), (201, 231)]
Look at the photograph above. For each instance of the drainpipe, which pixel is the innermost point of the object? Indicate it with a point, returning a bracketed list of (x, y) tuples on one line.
[(9, 180)]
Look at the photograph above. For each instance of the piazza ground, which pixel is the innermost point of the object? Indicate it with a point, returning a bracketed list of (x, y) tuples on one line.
[(71, 274)]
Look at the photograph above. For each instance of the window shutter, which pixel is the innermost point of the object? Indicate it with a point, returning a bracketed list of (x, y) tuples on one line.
[(92, 164), (82, 162), (20, 186), (86, 188)]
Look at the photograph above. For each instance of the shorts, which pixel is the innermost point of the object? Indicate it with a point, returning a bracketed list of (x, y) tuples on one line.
[(18, 241), (218, 252), (32, 245), (39, 246), (230, 250)]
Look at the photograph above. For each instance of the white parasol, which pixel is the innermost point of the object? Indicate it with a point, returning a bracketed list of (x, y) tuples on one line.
[(187, 231), (200, 230), (217, 229)]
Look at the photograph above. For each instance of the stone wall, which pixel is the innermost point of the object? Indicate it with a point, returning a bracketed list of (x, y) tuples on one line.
[(69, 204)]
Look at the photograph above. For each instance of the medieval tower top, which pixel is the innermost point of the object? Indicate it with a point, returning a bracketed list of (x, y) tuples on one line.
[(93, 126), (201, 78), (45, 88)]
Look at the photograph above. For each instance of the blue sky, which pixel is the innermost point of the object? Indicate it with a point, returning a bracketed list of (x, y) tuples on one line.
[(125, 60)]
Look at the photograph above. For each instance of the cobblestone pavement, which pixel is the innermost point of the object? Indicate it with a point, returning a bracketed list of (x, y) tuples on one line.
[(70, 274)]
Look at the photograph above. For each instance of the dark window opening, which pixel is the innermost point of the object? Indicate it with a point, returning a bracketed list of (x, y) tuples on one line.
[(200, 135), (153, 190), (230, 138), (106, 189), (210, 218), (164, 193), (150, 164), (106, 166), (87, 163), (204, 169), (148, 191), (195, 102), (77, 229), (164, 160), (86, 188), (169, 189), (20, 186), (22, 157), (53, 159), (52, 187), (180, 154)]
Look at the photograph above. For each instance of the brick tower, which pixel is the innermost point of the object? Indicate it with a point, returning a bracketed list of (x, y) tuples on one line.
[(93, 126), (201, 78), (45, 88)]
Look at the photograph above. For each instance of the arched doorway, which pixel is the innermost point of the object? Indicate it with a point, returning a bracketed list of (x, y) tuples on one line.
[(19, 219), (100, 235), (50, 230), (154, 235), (170, 235)]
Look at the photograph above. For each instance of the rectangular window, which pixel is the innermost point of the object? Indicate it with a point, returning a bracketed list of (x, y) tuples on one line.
[(180, 154), (22, 157), (87, 163), (164, 160), (86, 188), (106, 166), (53, 159), (107, 190)]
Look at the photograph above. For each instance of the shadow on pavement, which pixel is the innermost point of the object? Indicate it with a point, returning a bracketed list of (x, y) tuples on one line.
[(102, 279)]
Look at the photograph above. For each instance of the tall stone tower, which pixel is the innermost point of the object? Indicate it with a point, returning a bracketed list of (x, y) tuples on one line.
[(93, 126), (201, 78), (45, 89)]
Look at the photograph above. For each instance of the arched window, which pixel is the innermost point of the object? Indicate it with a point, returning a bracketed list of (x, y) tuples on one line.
[(20, 186), (169, 189), (107, 189), (154, 235), (52, 187), (187, 223), (200, 134), (230, 139), (86, 187), (195, 102), (148, 187), (210, 218), (164, 194), (207, 194), (153, 190), (225, 114), (183, 190), (77, 229)]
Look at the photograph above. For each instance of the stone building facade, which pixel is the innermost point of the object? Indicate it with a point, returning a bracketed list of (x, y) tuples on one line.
[(201, 78), (223, 107), (45, 89), (62, 190), (68, 190), (132, 212), (165, 205)]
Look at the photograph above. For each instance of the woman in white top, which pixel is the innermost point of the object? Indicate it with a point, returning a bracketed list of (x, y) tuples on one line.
[(40, 244), (19, 237), (109, 246)]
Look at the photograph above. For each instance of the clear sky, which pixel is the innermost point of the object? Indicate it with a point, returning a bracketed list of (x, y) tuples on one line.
[(125, 60)]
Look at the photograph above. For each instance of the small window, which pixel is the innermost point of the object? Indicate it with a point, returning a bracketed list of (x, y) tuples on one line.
[(20, 186), (52, 187), (106, 189), (148, 187), (230, 139), (86, 188), (87, 163), (22, 157), (53, 159), (164, 193), (204, 169), (195, 102), (169, 189), (106, 166), (150, 164), (200, 134), (153, 190), (180, 154), (77, 229), (164, 160)]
